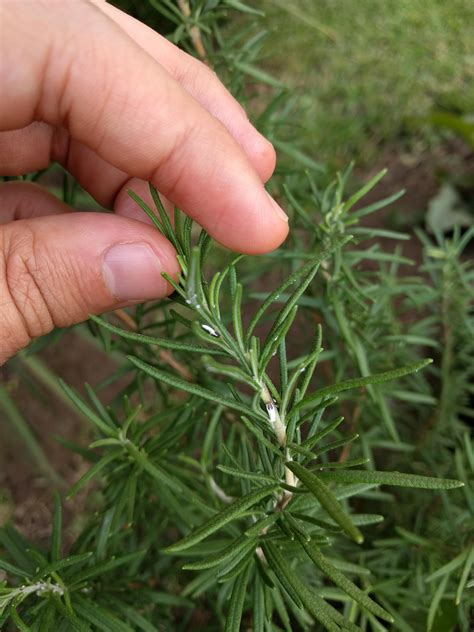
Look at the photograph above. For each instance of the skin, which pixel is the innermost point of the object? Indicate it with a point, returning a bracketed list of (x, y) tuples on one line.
[(117, 105)]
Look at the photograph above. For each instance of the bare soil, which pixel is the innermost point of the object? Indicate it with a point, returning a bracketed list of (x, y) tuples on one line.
[(29, 492)]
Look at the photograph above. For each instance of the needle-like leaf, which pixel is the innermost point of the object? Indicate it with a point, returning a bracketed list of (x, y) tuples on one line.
[(327, 500), (232, 512), (237, 600), (342, 581), (164, 343), (376, 378), (194, 389), (398, 479)]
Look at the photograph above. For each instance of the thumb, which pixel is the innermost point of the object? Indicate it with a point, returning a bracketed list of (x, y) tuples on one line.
[(55, 270)]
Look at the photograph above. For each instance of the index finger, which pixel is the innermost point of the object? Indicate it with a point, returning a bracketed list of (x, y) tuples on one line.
[(203, 84), (79, 70)]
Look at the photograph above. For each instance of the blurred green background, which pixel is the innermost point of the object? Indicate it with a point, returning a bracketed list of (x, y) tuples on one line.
[(370, 73)]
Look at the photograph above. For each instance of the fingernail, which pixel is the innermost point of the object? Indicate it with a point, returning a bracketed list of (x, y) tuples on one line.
[(278, 210), (132, 272)]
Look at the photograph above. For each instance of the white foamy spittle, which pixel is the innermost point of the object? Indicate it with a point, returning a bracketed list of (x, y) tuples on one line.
[(272, 413), (210, 330)]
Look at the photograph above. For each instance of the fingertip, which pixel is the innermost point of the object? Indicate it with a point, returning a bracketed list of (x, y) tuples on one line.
[(270, 227), (266, 241), (261, 153), (268, 158), (263, 228)]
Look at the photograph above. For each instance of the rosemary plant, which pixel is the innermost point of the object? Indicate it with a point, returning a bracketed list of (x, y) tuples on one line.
[(258, 505), (271, 412)]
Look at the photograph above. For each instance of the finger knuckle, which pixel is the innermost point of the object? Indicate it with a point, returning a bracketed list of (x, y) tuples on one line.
[(25, 301), (172, 169)]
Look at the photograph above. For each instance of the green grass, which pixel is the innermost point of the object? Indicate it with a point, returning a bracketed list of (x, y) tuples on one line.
[(367, 71)]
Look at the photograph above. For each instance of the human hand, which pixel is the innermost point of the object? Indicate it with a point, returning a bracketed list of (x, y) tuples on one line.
[(117, 105)]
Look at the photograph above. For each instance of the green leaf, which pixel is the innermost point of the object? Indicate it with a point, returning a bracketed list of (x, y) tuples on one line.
[(221, 556), (168, 230), (288, 308), (232, 512), (60, 565), (371, 208), (48, 619), (364, 190), (237, 315), (101, 425), (18, 621), (101, 409), (299, 381), (455, 122), (200, 584), (289, 149), (237, 600), (342, 581), (98, 616), (261, 439), (19, 548), (438, 595), (344, 464), (275, 338), (94, 471), (244, 8), (308, 268), (398, 479), (282, 610), (349, 567), (366, 519), (259, 75), (282, 571), (235, 373), (251, 476), (309, 367), (322, 524), (139, 621), (451, 566), (357, 382), (328, 616), (264, 523), (194, 389), (465, 575), (15, 571), (104, 567), (318, 436), (154, 470), (335, 444), (164, 343), (258, 622), (327, 500), (74, 623), (102, 538), (194, 291), (236, 564), (146, 209)]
